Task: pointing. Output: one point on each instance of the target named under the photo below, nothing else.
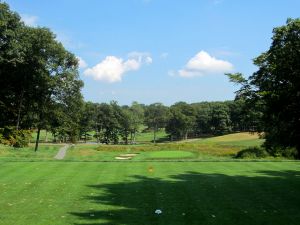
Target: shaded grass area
(45, 152)
(128, 193)
(216, 148)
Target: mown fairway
(129, 192)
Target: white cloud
(81, 63)
(144, 57)
(112, 68)
(204, 64)
(29, 20)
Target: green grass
(243, 139)
(143, 137)
(170, 155)
(128, 193)
(216, 148)
(45, 152)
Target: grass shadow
(268, 197)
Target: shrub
(16, 138)
(287, 152)
(252, 153)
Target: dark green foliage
(252, 153)
(220, 120)
(39, 81)
(274, 89)
(279, 151)
(181, 121)
(156, 116)
(16, 138)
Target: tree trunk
(131, 137)
(134, 135)
(46, 137)
(154, 134)
(85, 135)
(97, 135)
(37, 139)
(19, 110)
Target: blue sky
(160, 50)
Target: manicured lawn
(128, 193)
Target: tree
(11, 56)
(203, 118)
(87, 119)
(276, 87)
(220, 119)
(108, 122)
(156, 117)
(136, 119)
(126, 123)
(37, 75)
(181, 121)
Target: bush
(287, 152)
(16, 138)
(252, 153)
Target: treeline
(114, 124)
(275, 89)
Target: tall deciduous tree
(37, 74)
(182, 120)
(136, 119)
(276, 85)
(156, 117)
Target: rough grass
(45, 152)
(216, 148)
(170, 155)
(127, 193)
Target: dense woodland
(41, 89)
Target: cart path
(62, 152)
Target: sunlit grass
(126, 193)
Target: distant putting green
(128, 193)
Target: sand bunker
(122, 158)
(125, 156)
